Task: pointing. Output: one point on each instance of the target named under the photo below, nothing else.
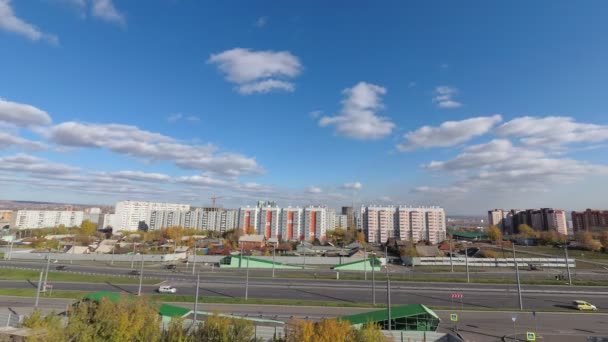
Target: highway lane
(400, 294)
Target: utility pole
(567, 264)
(38, 290)
(388, 290)
(521, 304)
(466, 260)
(141, 275)
(365, 263)
(46, 276)
(133, 256)
(112, 260)
(194, 261)
(247, 282)
(451, 262)
(274, 251)
(198, 282)
(374, 281)
(10, 250)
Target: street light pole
(567, 264)
(198, 282)
(46, 276)
(451, 262)
(194, 262)
(521, 304)
(247, 282)
(374, 280)
(388, 290)
(365, 259)
(274, 252)
(141, 275)
(466, 260)
(133, 256)
(38, 289)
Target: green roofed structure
(360, 265)
(469, 236)
(413, 317)
(238, 261)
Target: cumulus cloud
(439, 190)
(22, 115)
(553, 131)
(105, 10)
(449, 133)
(353, 186)
(175, 117)
(358, 118)
(444, 97)
(132, 141)
(258, 71)
(314, 190)
(141, 176)
(30, 164)
(11, 23)
(261, 22)
(8, 140)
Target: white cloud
(30, 164)
(141, 176)
(175, 117)
(202, 180)
(444, 97)
(257, 71)
(553, 131)
(266, 86)
(22, 115)
(132, 141)
(358, 118)
(193, 118)
(11, 23)
(353, 186)
(314, 190)
(8, 140)
(439, 190)
(261, 22)
(315, 114)
(105, 10)
(449, 133)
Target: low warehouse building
(414, 317)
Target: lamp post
(567, 264)
(141, 275)
(466, 260)
(388, 289)
(451, 262)
(198, 281)
(374, 280)
(521, 304)
(46, 274)
(194, 261)
(365, 261)
(38, 289)
(274, 251)
(247, 282)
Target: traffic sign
(514, 317)
(454, 317)
(530, 336)
(456, 295)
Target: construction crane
(214, 199)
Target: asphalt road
(473, 325)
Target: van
(583, 306)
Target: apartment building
(350, 216)
(314, 223)
(249, 218)
(544, 219)
(405, 223)
(36, 219)
(503, 219)
(589, 220)
(270, 222)
(128, 214)
(291, 224)
(341, 221)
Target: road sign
(514, 317)
(530, 336)
(454, 317)
(456, 295)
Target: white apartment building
(331, 219)
(291, 224)
(559, 221)
(503, 219)
(108, 220)
(405, 223)
(249, 218)
(315, 223)
(341, 221)
(270, 222)
(130, 213)
(35, 219)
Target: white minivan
(167, 289)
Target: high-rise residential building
(331, 218)
(107, 221)
(291, 224)
(35, 219)
(314, 223)
(350, 216)
(164, 219)
(406, 223)
(130, 213)
(589, 220)
(341, 221)
(544, 219)
(7, 219)
(270, 222)
(249, 218)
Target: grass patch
(49, 294)
(11, 274)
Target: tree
(336, 236)
(330, 330)
(588, 242)
(604, 239)
(88, 228)
(552, 238)
(51, 324)
(250, 230)
(494, 233)
(526, 231)
(408, 251)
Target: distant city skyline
(418, 103)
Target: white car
(167, 289)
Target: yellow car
(583, 306)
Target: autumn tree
(49, 324)
(494, 233)
(224, 329)
(175, 234)
(330, 330)
(604, 239)
(588, 242)
(526, 231)
(250, 230)
(552, 237)
(88, 228)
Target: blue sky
(469, 105)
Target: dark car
(61, 267)
(171, 267)
(134, 272)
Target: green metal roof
(471, 235)
(97, 296)
(244, 258)
(396, 312)
(172, 311)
